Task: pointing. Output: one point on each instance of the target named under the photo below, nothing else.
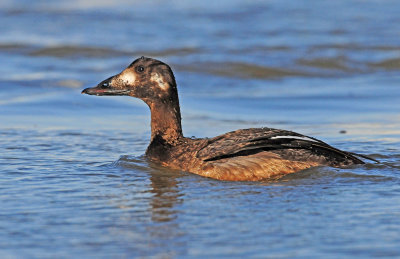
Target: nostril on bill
(105, 84)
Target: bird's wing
(251, 141)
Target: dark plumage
(242, 155)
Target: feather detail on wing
(287, 144)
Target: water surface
(73, 179)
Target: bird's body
(248, 154)
(241, 155)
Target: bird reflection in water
(164, 185)
(164, 213)
(155, 190)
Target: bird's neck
(165, 122)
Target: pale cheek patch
(156, 78)
(127, 78)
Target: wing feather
(252, 141)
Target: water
(74, 183)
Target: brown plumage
(242, 155)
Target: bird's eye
(105, 85)
(140, 69)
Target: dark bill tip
(96, 91)
(91, 91)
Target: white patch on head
(156, 78)
(127, 77)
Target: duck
(252, 154)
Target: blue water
(73, 180)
